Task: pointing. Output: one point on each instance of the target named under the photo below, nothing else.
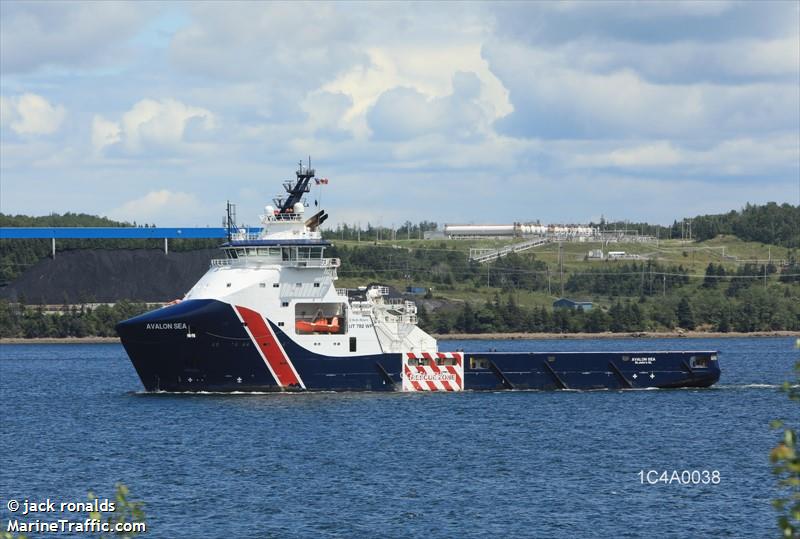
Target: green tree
(685, 314)
(785, 460)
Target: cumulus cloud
(31, 114)
(404, 113)
(152, 125)
(158, 206)
(428, 70)
(104, 132)
(326, 113)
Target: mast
(230, 220)
(295, 192)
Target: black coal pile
(106, 276)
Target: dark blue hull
(202, 345)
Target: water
(520, 464)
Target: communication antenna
(230, 220)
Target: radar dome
(299, 208)
(269, 210)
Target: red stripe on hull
(272, 353)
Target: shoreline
(610, 335)
(478, 336)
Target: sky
(560, 112)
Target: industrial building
(565, 303)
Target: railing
(341, 292)
(245, 237)
(298, 263)
(282, 217)
(313, 263)
(480, 255)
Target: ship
(267, 317)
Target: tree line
(755, 309)
(25, 321)
(768, 223)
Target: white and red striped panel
(443, 371)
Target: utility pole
(642, 282)
(561, 270)
(664, 282)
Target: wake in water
(752, 386)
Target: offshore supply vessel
(268, 317)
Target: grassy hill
(722, 282)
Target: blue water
(517, 464)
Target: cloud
(428, 106)
(425, 69)
(405, 113)
(31, 114)
(326, 112)
(300, 44)
(553, 99)
(747, 157)
(553, 23)
(158, 205)
(38, 34)
(104, 132)
(153, 126)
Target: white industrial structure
(520, 229)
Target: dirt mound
(99, 275)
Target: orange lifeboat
(320, 325)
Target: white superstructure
(282, 272)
